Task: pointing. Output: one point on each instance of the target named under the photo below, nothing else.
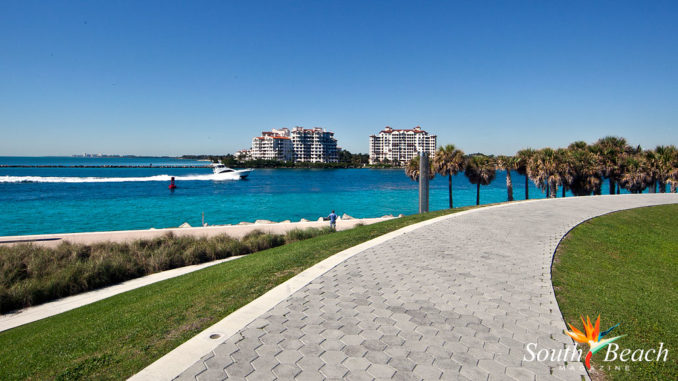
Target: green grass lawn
(118, 336)
(624, 266)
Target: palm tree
(508, 163)
(651, 169)
(673, 173)
(448, 161)
(595, 182)
(636, 173)
(412, 169)
(543, 171)
(569, 167)
(524, 157)
(582, 173)
(634, 176)
(665, 156)
(564, 168)
(480, 170)
(612, 150)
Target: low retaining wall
(235, 231)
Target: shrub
(31, 274)
(257, 241)
(302, 234)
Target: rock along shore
(235, 231)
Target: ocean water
(59, 200)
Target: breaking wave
(40, 179)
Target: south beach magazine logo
(593, 337)
(596, 341)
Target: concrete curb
(183, 356)
(175, 362)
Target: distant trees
(346, 159)
(580, 168)
(229, 160)
(354, 159)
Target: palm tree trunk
(450, 186)
(554, 189)
(653, 187)
(548, 189)
(673, 187)
(662, 187)
(527, 188)
(478, 194)
(563, 190)
(618, 189)
(611, 182)
(509, 185)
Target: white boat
(220, 169)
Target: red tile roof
(416, 130)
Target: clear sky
(171, 78)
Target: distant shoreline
(101, 166)
(244, 165)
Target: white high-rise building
(314, 145)
(400, 146)
(273, 145)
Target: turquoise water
(58, 200)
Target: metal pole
(423, 182)
(426, 180)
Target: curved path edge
(525, 290)
(180, 358)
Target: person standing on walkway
(333, 220)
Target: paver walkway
(458, 299)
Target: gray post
(423, 182)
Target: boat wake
(40, 179)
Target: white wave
(40, 179)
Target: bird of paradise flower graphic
(593, 337)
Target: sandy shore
(235, 231)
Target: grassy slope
(31, 275)
(624, 266)
(116, 337)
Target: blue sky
(169, 78)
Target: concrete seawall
(235, 231)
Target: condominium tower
(400, 146)
(314, 145)
(273, 145)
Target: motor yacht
(220, 169)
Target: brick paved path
(458, 299)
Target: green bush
(31, 274)
(257, 241)
(302, 234)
